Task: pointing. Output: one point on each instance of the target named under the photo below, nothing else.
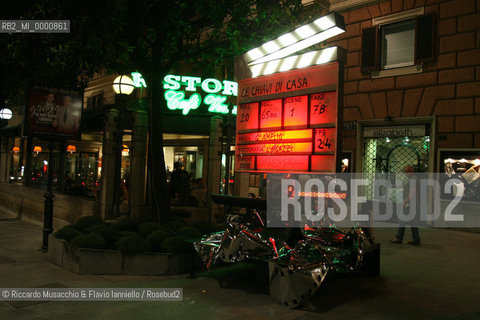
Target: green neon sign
(138, 81)
(217, 93)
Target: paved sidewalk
(438, 280)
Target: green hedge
(146, 228)
(130, 236)
(174, 225)
(85, 222)
(67, 233)
(156, 239)
(126, 225)
(132, 243)
(189, 232)
(91, 241)
(107, 231)
(176, 244)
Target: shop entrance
(392, 155)
(186, 165)
(389, 149)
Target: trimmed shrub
(156, 239)
(107, 231)
(175, 225)
(67, 233)
(146, 228)
(84, 222)
(126, 225)
(122, 234)
(189, 232)
(176, 244)
(207, 227)
(132, 243)
(91, 240)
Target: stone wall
(28, 204)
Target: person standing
(411, 198)
(179, 183)
(44, 113)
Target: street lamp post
(48, 208)
(122, 85)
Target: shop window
(95, 101)
(81, 174)
(40, 164)
(16, 171)
(463, 165)
(347, 162)
(387, 155)
(402, 41)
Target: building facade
(411, 97)
(412, 76)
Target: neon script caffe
(213, 93)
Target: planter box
(114, 262)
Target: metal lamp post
(48, 208)
(122, 85)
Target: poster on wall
(52, 112)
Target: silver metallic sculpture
(296, 271)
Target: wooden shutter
(425, 38)
(369, 49)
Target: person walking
(411, 196)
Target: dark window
(97, 100)
(398, 44)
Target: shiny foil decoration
(299, 260)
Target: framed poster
(54, 113)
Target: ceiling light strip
(295, 62)
(321, 29)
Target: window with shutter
(425, 38)
(369, 49)
(398, 43)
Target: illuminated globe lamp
(6, 114)
(123, 85)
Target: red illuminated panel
(270, 114)
(282, 163)
(324, 140)
(275, 148)
(244, 163)
(299, 79)
(296, 111)
(323, 163)
(323, 108)
(274, 136)
(247, 116)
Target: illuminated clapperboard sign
(290, 108)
